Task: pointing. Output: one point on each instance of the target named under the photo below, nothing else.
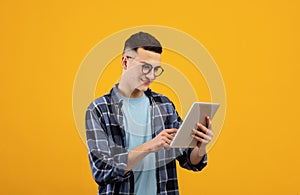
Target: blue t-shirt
(137, 124)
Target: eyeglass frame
(147, 64)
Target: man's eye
(147, 66)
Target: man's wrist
(201, 151)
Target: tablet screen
(197, 113)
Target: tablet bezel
(183, 138)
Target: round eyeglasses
(147, 68)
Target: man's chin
(143, 87)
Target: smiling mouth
(146, 82)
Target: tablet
(197, 113)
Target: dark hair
(143, 40)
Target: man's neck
(126, 92)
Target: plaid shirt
(107, 150)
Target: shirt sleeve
(108, 160)
(184, 160)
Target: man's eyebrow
(143, 62)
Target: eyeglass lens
(147, 68)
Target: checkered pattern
(108, 154)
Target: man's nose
(151, 75)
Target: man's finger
(209, 123)
(202, 128)
(170, 131)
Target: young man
(129, 129)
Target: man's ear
(124, 62)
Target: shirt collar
(117, 98)
(115, 95)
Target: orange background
(255, 44)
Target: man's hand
(162, 140)
(203, 135)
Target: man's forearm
(162, 140)
(197, 155)
(136, 155)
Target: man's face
(137, 68)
